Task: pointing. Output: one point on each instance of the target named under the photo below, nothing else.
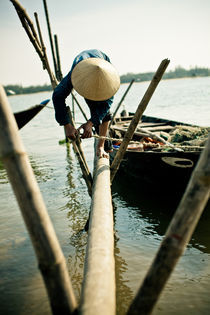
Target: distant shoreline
(178, 73)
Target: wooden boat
(23, 117)
(154, 163)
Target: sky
(136, 34)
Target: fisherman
(94, 77)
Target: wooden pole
(120, 103)
(177, 236)
(98, 288)
(50, 257)
(141, 108)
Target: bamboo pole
(50, 38)
(120, 103)
(81, 157)
(98, 288)
(33, 37)
(73, 107)
(83, 113)
(141, 108)
(177, 236)
(60, 76)
(50, 257)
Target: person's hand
(70, 132)
(87, 129)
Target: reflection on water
(158, 209)
(77, 216)
(141, 220)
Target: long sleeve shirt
(98, 109)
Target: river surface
(140, 218)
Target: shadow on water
(158, 207)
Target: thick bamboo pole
(141, 108)
(98, 288)
(50, 257)
(177, 236)
(120, 103)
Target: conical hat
(95, 79)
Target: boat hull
(23, 117)
(160, 170)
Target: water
(140, 218)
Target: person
(94, 77)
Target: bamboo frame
(49, 254)
(177, 236)
(141, 108)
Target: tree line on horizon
(179, 72)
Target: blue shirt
(98, 109)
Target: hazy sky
(136, 34)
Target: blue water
(140, 220)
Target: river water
(140, 218)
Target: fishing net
(189, 136)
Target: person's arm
(60, 94)
(61, 115)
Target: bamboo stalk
(50, 257)
(98, 288)
(177, 236)
(141, 108)
(120, 103)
